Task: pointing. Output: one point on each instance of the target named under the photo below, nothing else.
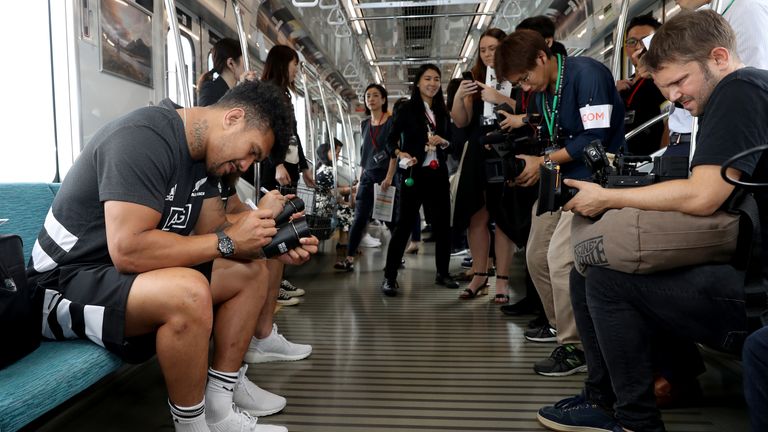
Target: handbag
(21, 306)
(630, 240)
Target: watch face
(226, 247)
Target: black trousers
(430, 188)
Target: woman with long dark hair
(228, 64)
(477, 201)
(418, 139)
(378, 166)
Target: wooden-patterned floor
(423, 361)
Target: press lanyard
(632, 96)
(727, 7)
(550, 114)
(373, 132)
(431, 124)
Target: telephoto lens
(294, 205)
(287, 237)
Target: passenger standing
(378, 167)
(417, 139)
(642, 98)
(477, 201)
(228, 64)
(578, 99)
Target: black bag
(21, 306)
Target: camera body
(503, 166)
(623, 172)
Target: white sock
(218, 395)
(189, 419)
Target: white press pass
(596, 116)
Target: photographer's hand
(273, 202)
(301, 254)
(530, 174)
(511, 121)
(591, 200)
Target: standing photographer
(579, 102)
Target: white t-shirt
(749, 19)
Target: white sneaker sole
(267, 358)
(290, 302)
(566, 428)
(264, 413)
(580, 369)
(297, 293)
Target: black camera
(288, 237)
(624, 172)
(502, 165)
(293, 205)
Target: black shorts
(88, 301)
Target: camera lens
(288, 237)
(294, 205)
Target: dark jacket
(409, 131)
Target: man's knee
(190, 299)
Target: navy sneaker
(576, 414)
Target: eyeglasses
(631, 42)
(522, 80)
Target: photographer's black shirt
(590, 109)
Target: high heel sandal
(468, 293)
(502, 298)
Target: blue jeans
(755, 357)
(618, 316)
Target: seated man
(137, 251)
(692, 59)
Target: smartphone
(467, 76)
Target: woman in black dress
(228, 64)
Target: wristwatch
(226, 246)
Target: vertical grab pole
(309, 122)
(330, 135)
(181, 72)
(618, 40)
(247, 66)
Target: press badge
(596, 116)
(629, 117)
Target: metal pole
(647, 124)
(618, 40)
(309, 123)
(247, 67)
(330, 134)
(181, 72)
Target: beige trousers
(549, 257)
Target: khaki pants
(549, 257)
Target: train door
(191, 48)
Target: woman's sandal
(468, 293)
(502, 298)
(345, 265)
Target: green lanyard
(550, 114)
(727, 7)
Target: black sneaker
(389, 287)
(523, 307)
(446, 281)
(545, 333)
(577, 414)
(565, 360)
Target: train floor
(423, 361)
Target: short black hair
(322, 151)
(382, 92)
(265, 108)
(541, 24)
(644, 20)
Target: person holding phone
(477, 93)
(642, 99)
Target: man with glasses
(579, 103)
(642, 98)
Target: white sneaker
(250, 398)
(275, 348)
(369, 241)
(291, 290)
(286, 300)
(238, 421)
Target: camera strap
(637, 87)
(550, 113)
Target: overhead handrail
(336, 17)
(309, 3)
(342, 31)
(181, 70)
(505, 13)
(328, 4)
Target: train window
(187, 50)
(339, 131)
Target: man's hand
(252, 232)
(591, 200)
(624, 84)
(511, 121)
(301, 254)
(273, 202)
(282, 176)
(531, 173)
